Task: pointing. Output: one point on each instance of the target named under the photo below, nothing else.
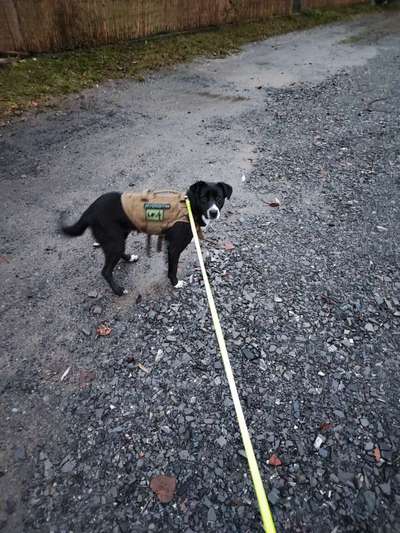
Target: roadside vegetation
(39, 81)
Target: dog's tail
(77, 229)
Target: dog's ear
(196, 187)
(226, 189)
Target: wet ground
(308, 297)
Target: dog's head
(207, 200)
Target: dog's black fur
(110, 227)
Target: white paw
(133, 258)
(180, 284)
(125, 291)
(96, 245)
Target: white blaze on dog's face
(208, 199)
(213, 213)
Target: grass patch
(34, 81)
(354, 39)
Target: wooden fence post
(10, 32)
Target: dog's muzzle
(213, 213)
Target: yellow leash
(266, 516)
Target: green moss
(353, 39)
(33, 81)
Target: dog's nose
(213, 213)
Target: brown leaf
(4, 259)
(164, 487)
(183, 505)
(325, 426)
(274, 203)
(103, 330)
(228, 245)
(377, 455)
(274, 460)
(85, 377)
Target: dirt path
(208, 120)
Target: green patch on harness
(155, 212)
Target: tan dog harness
(155, 212)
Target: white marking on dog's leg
(96, 245)
(180, 284)
(133, 258)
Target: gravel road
(308, 294)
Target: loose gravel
(309, 303)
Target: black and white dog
(111, 226)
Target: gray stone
(10, 505)
(370, 500)
(386, 488)
(221, 441)
(249, 354)
(48, 469)
(20, 453)
(323, 452)
(68, 467)
(184, 455)
(211, 515)
(320, 439)
(274, 496)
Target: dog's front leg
(173, 260)
(178, 238)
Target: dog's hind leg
(112, 241)
(113, 253)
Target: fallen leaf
(85, 377)
(164, 487)
(325, 426)
(103, 330)
(143, 368)
(274, 203)
(141, 455)
(183, 505)
(34, 104)
(228, 245)
(274, 460)
(377, 455)
(4, 259)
